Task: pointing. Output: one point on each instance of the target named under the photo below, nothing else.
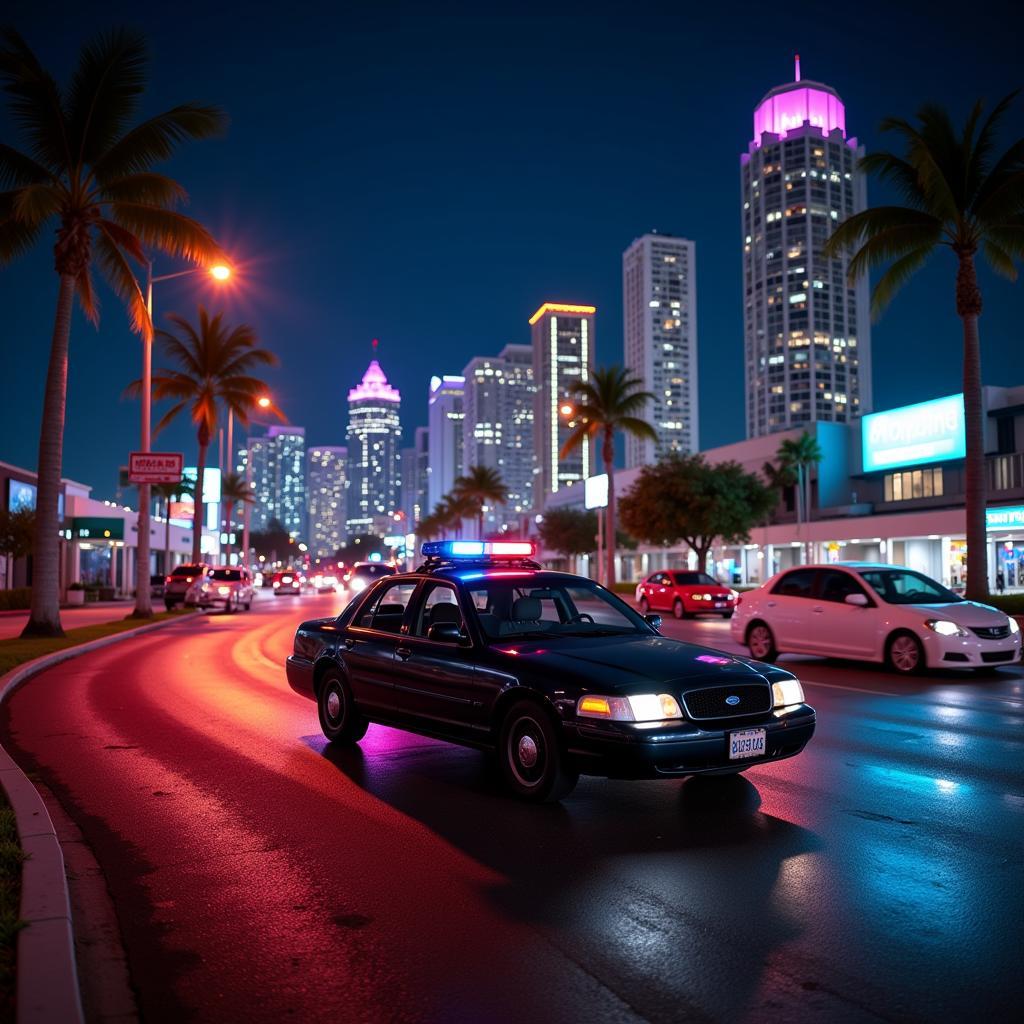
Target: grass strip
(11, 859)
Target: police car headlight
(1014, 627)
(787, 692)
(642, 707)
(945, 628)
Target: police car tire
(340, 722)
(530, 756)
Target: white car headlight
(945, 628)
(358, 584)
(1014, 627)
(787, 692)
(223, 591)
(642, 707)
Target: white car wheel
(905, 654)
(761, 643)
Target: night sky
(429, 179)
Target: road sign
(155, 467)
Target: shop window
(915, 483)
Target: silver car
(227, 587)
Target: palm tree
(85, 167)
(234, 491)
(167, 493)
(797, 457)
(959, 195)
(480, 486)
(213, 370)
(610, 401)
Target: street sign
(595, 491)
(97, 528)
(155, 467)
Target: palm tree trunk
(969, 307)
(44, 619)
(608, 457)
(197, 522)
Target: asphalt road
(259, 876)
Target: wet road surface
(259, 876)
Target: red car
(685, 594)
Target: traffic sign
(155, 467)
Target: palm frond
(35, 204)
(16, 237)
(999, 259)
(146, 187)
(18, 168)
(892, 244)
(86, 292)
(168, 417)
(123, 240)
(104, 91)
(977, 152)
(168, 231)
(898, 172)
(118, 274)
(896, 276)
(638, 428)
(1008, 234)
(1002, 192)
(156, 140)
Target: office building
(374, 437)
(498, 428)
(326, 472)
(659, 312)
(563, 354)
(278, 477)
(444, 425)
(415, 472)
(806, 328)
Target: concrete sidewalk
(11, 625)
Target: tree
(569, 531)
(168, 493)
(213, 370)
(797, 457)
(17, 530)
(87, 168)
(683, 498)
(958, 194)
(610, 401)
(273, 543)
(357, 549)
(234, 491)
(478, 487)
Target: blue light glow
(914, 434)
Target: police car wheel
(530, 755)
(339, 720)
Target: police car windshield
(536, 606)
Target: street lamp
(143, 601)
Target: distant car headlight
(733, 594)
(223, 591)
(945, 628)
(787, 692)
(643, 707)
(1014, 627)
(358, 584)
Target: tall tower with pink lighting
(807, 330)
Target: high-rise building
(278, 478)
(326, 471)
(659, 312)
(498, 429)
(806, 328)
(374, 436)
(563, 353)
(415, 472)
(444, 425)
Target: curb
(47, 977)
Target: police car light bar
(479, 549)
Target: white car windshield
(904, 586)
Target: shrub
(15, 599)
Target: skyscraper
(498, 428)
(374, 436)
(279, 478)
(563, 353)
(415, 473)
(659, 312)
(806, 329)
(444, 425)
(326, 469)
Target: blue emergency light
(468, 549)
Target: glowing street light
(567, 410)
(220, 271)
(264, 402)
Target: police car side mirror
(445, 633)
(653, 620)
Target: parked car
(363, 574)
(685, 594)
(221, 586)
(324, 583)
(180, 579)
(552, 672)
(873, 612)
(287, 583)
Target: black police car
(555, 674)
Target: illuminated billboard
(914, 434)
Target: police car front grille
(712, 702)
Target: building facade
(498, 428)
(278, 478)
(326, 474)
(374, 437)
(444, 425)
(659, 313)
(563, 354)
(807, 333)
(415, 473)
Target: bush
(15, 599)
(1012, 604)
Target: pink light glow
(784, 111)
(713, 659)
(374, 385)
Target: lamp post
(143, 601)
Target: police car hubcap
(527, 751)
(333, 705)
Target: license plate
(748, 743)
(719, 604)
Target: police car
(556, 675)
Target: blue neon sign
(914, 434)
(1007, 518)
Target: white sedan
(873, 612)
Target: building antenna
(374, 345)
(796, 62)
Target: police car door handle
(349, 643)
(404, 653)
(818, 610)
